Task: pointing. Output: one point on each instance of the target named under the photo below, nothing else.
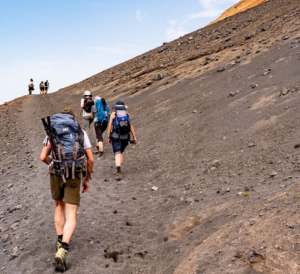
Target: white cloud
(174, 31)
(209, 13)
(210, 9)
(138, 15)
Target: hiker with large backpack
(86, 104)
(100, 113)
(119, 129)
(70, 166)
(31, 87)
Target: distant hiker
(31, 87)
(70, 166)
(119, 129)
(42, 87)
(47, 86)
(86, 104)
(100, 113)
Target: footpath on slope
(116, 229)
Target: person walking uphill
(47, 86)
(70, 167)
(42, 88)
(119, 129)
(31, 86)
(100, 113)
(86, 104)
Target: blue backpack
(122, 124)
(68, 143)
(103, 115)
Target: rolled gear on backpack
(68, 138)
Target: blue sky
(67, 41)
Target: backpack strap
(75, 148)
(61, 152)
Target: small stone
(215, 163)
(14, 226)
(273, 174)
(286, 37)
(284, 91)
(12, 256)
(160, 77)
(4, 238)
(154, 188)
(251, 145)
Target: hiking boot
(60, 259)
(119, 176)
(101, 154)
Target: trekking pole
(47, 127)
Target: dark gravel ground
(219, 140)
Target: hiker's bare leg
(100, 146)
(119, 159)
(59, 218)
(70, 225)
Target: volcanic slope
(239, 7)
(218, 136)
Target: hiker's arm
(44, 154)
(90, 164)
(112, 116)
(92, 115)
(133, 134)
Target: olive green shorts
(69, 191)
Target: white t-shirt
(86, 141)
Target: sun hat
(67, 111)
(87, 93)
(120, 105)
(97, 98)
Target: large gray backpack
(68, 143)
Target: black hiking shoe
(101, 154)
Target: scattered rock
(215, 163)
(284, 91)
(160, 77)
(4, 238)
(221, 69)
(273, 174)
(154, 188)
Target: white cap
(97, 98)
(87, 93)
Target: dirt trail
(219, 137)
